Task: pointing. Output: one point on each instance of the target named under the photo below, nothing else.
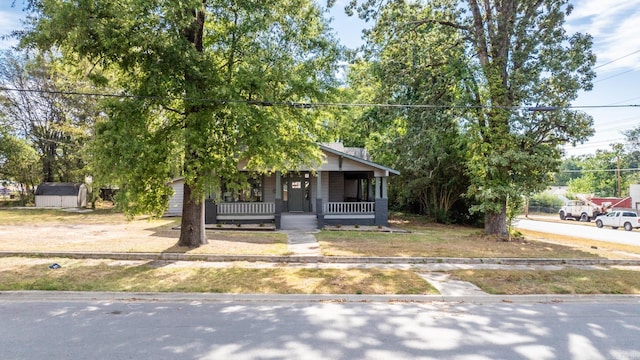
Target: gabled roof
(357, 159)
(349, 153)
(59, 189)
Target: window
(251, 191)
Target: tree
(633, 153)
(598, 175)
(523, 59)
(568, 170)
(425, 144)
(607, 173)
(19, 162)
(34, 108)
(205, 84)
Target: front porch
(333, 213)
(345, 189)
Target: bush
(545, 203)
(545, 200)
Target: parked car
(615, 219)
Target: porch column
(210, 211)
(384, 187)
(382, 203)
(278, 200)
(210, 206)
(319, 210)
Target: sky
(613, 24)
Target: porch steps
(301, 222)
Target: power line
(598, 170)
(614, 60)
(613, 76)
(624, 101)
(307, 105)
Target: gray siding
(336, 183)
(57, 201)
(325, 186)
(175, 201)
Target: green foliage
(203, 76)
(19, 162)
(57, 126)
(568, 171)
(425, 144)
(522, 57)
(513, 151)
(545, 199)
(599, 175)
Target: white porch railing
(348, 208)
(242, 208)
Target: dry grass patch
(29, 216)
(566, 281)
(104, 275)
(103, 231)
(439, 241)
(601, 248)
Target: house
(61, 195)
(347, 188)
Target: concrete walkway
(302, 242)
(447, 287)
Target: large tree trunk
(496, 223)
(48, 160)
(192, 231)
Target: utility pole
(618, 149)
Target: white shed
(61, 195)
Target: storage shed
(61, 195)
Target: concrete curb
(44, 296)
(317, 259)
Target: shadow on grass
(159, 277)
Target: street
(317, 330)
(571, 228)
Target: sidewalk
(305, 253)
(72, 296)
(432, 270)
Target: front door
(296, 194)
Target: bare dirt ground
(116, 234)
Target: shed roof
(60, 189)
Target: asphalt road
(317, 330)
(570, 228)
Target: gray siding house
(346, 188)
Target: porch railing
(246, 208)
(349, 208)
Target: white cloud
(10, 22)
(614, 27)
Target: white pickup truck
(615, 219)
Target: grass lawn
(566, 281)
(439, 241)
(603, 248)
(107, 275)
(28, 216)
